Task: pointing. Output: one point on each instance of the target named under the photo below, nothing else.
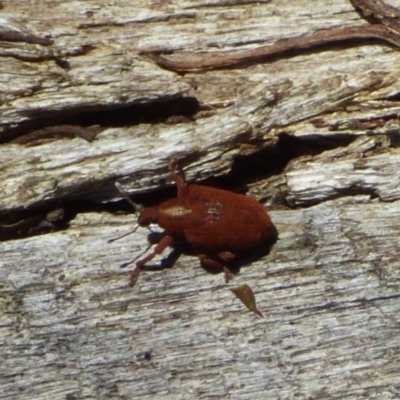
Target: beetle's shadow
(180, 246)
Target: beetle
(220, 225)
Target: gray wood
(71, 328)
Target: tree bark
(313, 133)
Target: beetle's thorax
(172, 215)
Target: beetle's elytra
(219, 224)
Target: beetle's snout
(148, 216)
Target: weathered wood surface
(70, 327)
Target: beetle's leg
(161, 246)
(180, 182)
(216, 264)
(227, 275)
(226, 255)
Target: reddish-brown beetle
(219, 224)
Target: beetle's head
(148, 216)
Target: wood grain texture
(71, 328)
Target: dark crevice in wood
(25, 223)
(272, 160)
(56, 132)
(152, 113)
(225, 3)
(394, 137)
(52, 217)
(168, 111)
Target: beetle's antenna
(136, 206)
(125, 234)
(125, 264)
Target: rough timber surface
(71, 328)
